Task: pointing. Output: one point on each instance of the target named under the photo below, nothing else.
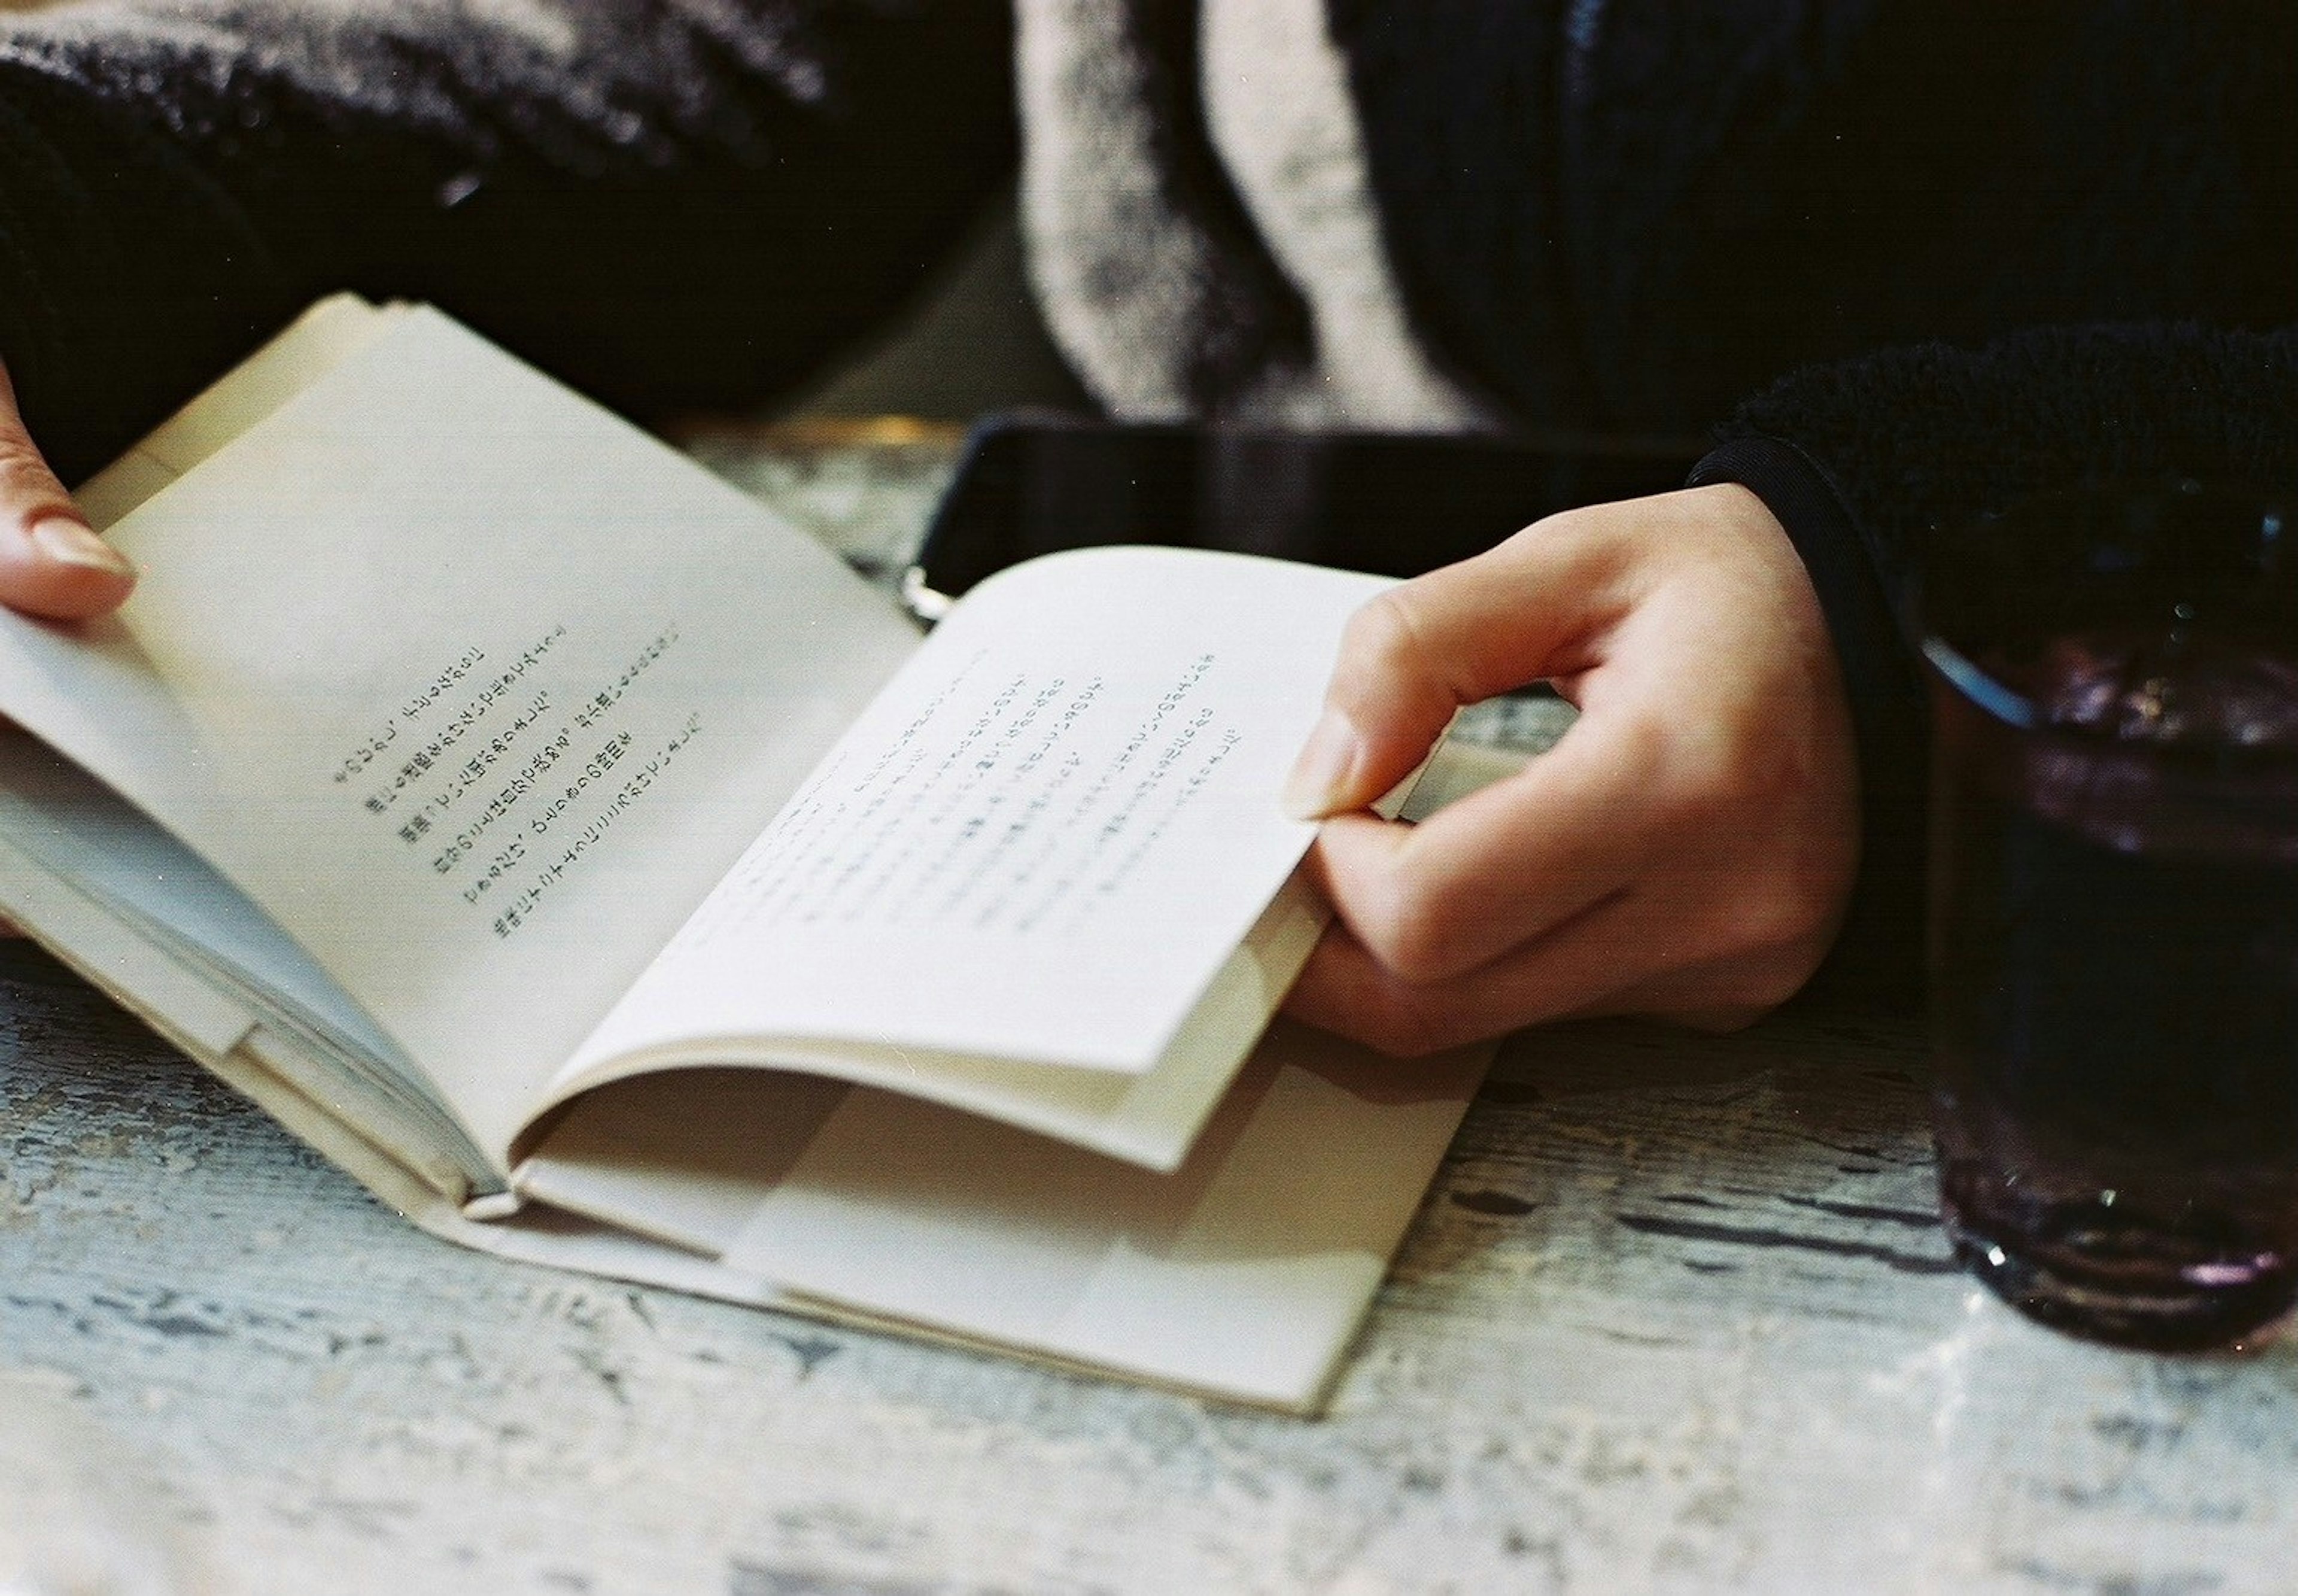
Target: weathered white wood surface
(1677, 1317)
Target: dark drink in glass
(2114, 919)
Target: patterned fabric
(1206, 241)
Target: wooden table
(1677, 1316)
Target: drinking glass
(2114, 929)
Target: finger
(1345, 989)
(1625, 955)
(51, 563)
(1413, 656)
(1508, 863)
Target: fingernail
(1318, 785)
(69, 544)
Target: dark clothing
(1858, 459)
(1639, 217)
(1956, 253)
(665, 204)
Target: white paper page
(1148, 1119)
(321, 339)
(87, 835)
(1246, 1272)
(684, 1158)
(1042, 841)
(471, 687)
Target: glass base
(2083, 1268)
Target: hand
(1686, 849)
(50, 564)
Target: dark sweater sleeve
(668, 202)
(1861, 459)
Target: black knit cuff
(1878, 955)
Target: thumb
(1418, 652)
(50, 562)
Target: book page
(472, 687)
(322, 338)
(1042, 841)
(1245, 1272)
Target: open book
(591, 865)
